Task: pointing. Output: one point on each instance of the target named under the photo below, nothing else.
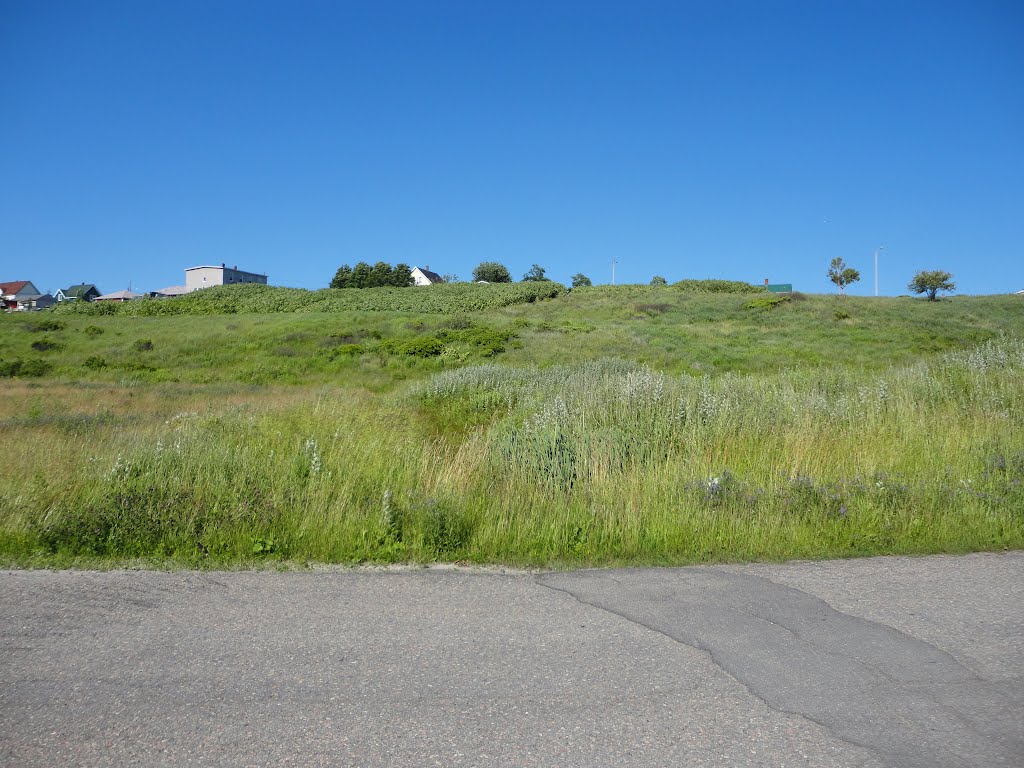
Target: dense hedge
(445, 299)
(717, 286)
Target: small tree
(450, 277)
(491, 272)
(658, 280)
(535, 275)
(579, 280)
(842, 275)
(931, 282)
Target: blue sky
(742, 140)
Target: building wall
(204, 277)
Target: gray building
(204, 277)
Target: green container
(781, 288)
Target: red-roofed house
(13, 292)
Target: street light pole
(614, 262)
(876, 268)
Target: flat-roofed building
(204, 277)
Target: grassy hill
(535, 426)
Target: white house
(425, 277)
(204, 277)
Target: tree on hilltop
(579, 280)
(536, 275)
(658, 280)
(491, 272)
(931, 282)
(379, 275)
(401, 276)
(342, 277)
(842, 275)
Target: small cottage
(423, 276)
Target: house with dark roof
(423, 276)
(83, 291)
(17, 290)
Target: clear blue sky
(739, 140)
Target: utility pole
(614, 262)
(876, 268)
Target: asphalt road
(881, 662)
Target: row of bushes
(260, 299)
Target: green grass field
(526, 426)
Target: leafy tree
(361, 275)
(491, 272)
(658, 280)
(842, 275)
(343, 277)
(931, 282)
(450, 277)
(579, 280)
(401, 276)
(380, 275)
(535, 275)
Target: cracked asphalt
(877, 662)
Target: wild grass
(634, 424)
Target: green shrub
(840, 314)
(24, 368)
(92, 330)
(47, 324)
(46, 344)
(426, 346)
(717, 286)
(142, 345)
(767, 302)
(95, 362)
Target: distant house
(425, 277)
(204, 277)
(169, 292)
(83, 292)
(119, 296)
(40, 301)
(778, 287)
(13, 292)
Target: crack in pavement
(867, 683)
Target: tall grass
(600, 462)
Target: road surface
(899, 662)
